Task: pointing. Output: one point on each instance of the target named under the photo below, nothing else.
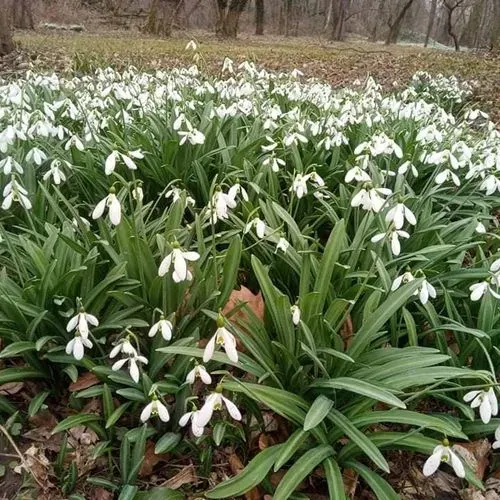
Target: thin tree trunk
(22, 14)
(339, 20)
(430, 24)
(259, 17)
(378, 17)
(395, 26)
(449, 26)
(6, 42)
(328, 15)
(228, 17)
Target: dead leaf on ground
(476, 454)
(150, 459)
(254, 302)
(42, 425)
(347, 331)
(101, 494)
(82, 435)
(10, 388)
(236, 467)
(186, 476)
(350, 478)
(84, 381)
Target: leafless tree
(259, 17)
(451, 6)
(395, 22)
(430, 24)
(228, 17)
(22, 14)
(162, 15)
(6, 43)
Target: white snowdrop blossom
(282, 245)
(220, 204)
(371, 199)
(76, 346)
(295, 311)
(112, 203)
(13, 191)
(299, 184)
(8, 165)
(175, 193)
(443, 453)
(447, 175)
(178, 259)
(74, 141)
(110, 162)
(274, 163)
(192, 135)
(408, 166)
(486, 401)
(479, 289)
(164, 326)
(398, 214)
(191, 45)
(222, 337)
(138, 193)
(237, 189)
(155, 408)
(394, 239)
(81, 322)
(55, 172)
(426, 291)
(480, 228)
(37, 156)
(259, 225)
(124, 346)
(133, 366)
(196, 429)
(496, 443)
(216, 401)
(404, 278)
(199, 371)
(356, 174)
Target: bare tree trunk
(162, 16)
(340, 14)
(328, 15)
(6, 43)
(430, 24)
(22, 14)
(495, 32)
(450, 8)
(259, 17)
(395, 26)
(378, 17)
(228, 17)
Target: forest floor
(338, 63)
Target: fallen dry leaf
(150, 459)
(186, 476)
(101, 494)
(476, 454)
(350, 478)
(236, 467)
(84, 381)
(82, 435)
(254, 302)
(10, 388)
(347, 332)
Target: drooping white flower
(299, 185)
(8, 165)
(192, 135)
(37, 156)
(282, 245)
(398, 214)
(224, 338)
(55, 172)
(123, 346)
(155, 408)
(74, 141)
(426, 291)
(133, 367)
(76, 346)
(295, 314)
(138, 193)
(496, 443)
(216, 401)
(446, 175)
(81, 322)
(220, 204)
(394, 238)
(403, 279)
(13, 191)
(199, 371)
(371, 199)
(490, 184)
(408, 166)
(357, 174)
(178, 259)
(191, 45)
(227, 65)
(236, 189)
(274, 163)
(164, 326)
(112, 203)
(480, 228)
(443, 453)
(487, 402)
(175, 193)
(196, 429)
(260, 227)
(110, 162)
(479, 289)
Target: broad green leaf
(318, 411)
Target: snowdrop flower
(260, 227)
(237, 189)
(74, 141)
(13, 191)
(191, 45)
(295, 314)
(357, 174)
(76, 346)
(446, 175)
(138, 193)
(8, 164)
(426, 291)
(216, 401)
(227, 65)
(398, 214)
(299, 185)
(402, 280)
(175, 193)
(37, 156)
(274, 163)
(154, 408)
(133, 367)
(55, 172)
(164, 326)
(315, 177)
(480, 228)
(487, 402)
(490, 184)
(81, 322)
(199, 371)
(496, 443)
(192, 136)
(178, 259)
(196, 429)
(402, 169)
(112, 203)
(294, 138)
(282, 245)
(110, 163)
(371, 199)
(223, 337)
(219, 205)
(125, 347)
(394, 237)
(271, 146)
(479, 289)
(443, 453)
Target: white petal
(92, 319)
(165, 265)
(134, 370)
(78, 350)
(432, 463)
(457, 465)
(166, 330)
(154, 329)
(209, 349)
(205, 414)
(115, 350)
(232, 408)
(230, 346)
(190, 377)
(146, 412)
(378, 237)
(110, 163)
(493, 401)
(191, 256)
(395, 245)
(162, 412)
(185, 418)
(72, 323)
(115, 211)
(424, 295)
(396, 283)
(99, 209)
(204, 375)
(485, 410)
(119, 364)
(471, 395)
(69, 348)
(180, 265)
